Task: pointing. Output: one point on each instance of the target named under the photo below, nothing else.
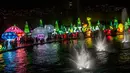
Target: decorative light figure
(16, 30)
(57, 26)
(40, 33)
(26, 28)
(89, 21)
(41, 23)
(115, 23)
(9, 36)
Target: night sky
(59, 3)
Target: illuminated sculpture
(57, 26)
(41, 23)
(84, 28)
(120, 28)
(89, 21)
(26, 28)
(79, 22)
(40, 33)
(115, 23)
(9, 36)
(17, 30)
(79, 25)
(49, 28)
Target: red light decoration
(16, 30)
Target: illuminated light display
(120, 28)
(41, 23)
(115, 23)
(9, 36)
(49, 28)
(110, 38)
(57, 26)
(84, 28)
(78, 22)
(17, 30)
(40, 33)
(88, 33)
(0, 46)
(26, 28)
(89, 21)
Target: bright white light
(101, 44)
(126, 37)
(83, 59)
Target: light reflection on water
(16, 61)
(45, 54)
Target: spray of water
(101, 44)
(124, 15)
(126, 37)
(124, 18)
(83, 59)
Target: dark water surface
(54, 58)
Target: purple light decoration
(40, 33)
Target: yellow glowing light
(88, 33)
(111, 27)
(88, 18)
(0, 46)
(120, 26)
(120, 37)
(84, 29)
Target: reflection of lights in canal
(124, 56)
(120, 37)
(89, 42)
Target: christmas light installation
(115, 23)
(41, 23)
(79, 25)
(9, 36)
(40, 33)
(120, 28)
(57, 26)
(26, 28)
(16, 30)
(89, 21)
(49, 28)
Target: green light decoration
(79, 22)
(62, 29)
(75, 28)
(14, 24)
(111, 23)
(115, 23)
(128, 21)
(126, 26)
(98, 23)
(89, 21)
(41, 23)
(57, 27)
(26, 28)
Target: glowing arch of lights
(16, 30)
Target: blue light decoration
(9, 36)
